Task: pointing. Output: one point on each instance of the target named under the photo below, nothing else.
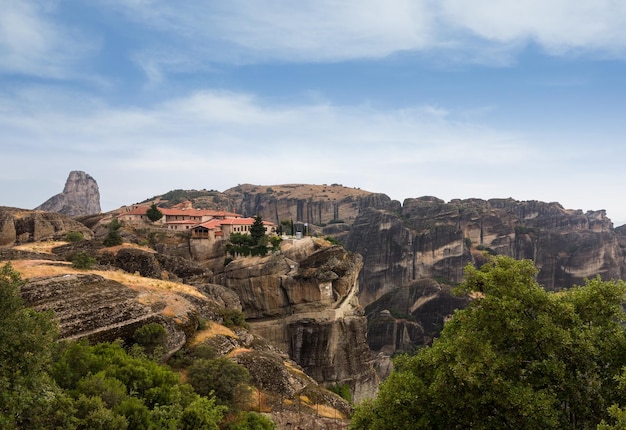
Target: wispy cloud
(33, 43)
(483, 31)
(217, 139)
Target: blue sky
(451, 98)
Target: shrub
(150, 337)
(251, 421)
(225, 379)
(113, 238)
(82, 261)
(74, 236)
(233, 318)
(342, 390)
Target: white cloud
(32, 43)
(218, 139)
(485, 31)
(557, 25)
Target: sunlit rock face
(304, 301)
(80, 196)
(22, 226)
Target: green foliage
(332, 240)
(151, 337)
(113, 238)
(251, 421)
(202, 414)
(232, 317)
(225, 379)
(257, 230)
(342, 390)
(74, 236)
(178, 196)
(275, 242)
(153, 213)
(517, 357)
(112, 389)
(82, 260)
(27, 394)
(246, 245)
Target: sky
(449, 98)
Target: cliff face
(312, 204)
(80, 196)
(433, 239)
(304, 301)
(21, 226)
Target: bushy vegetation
(81, 260)
(342, 390)
(47, 384)
(233, 318)
(74, 236)
(517, 357)
(114, 238)
(178, 196)
(154, 213)
(221, 377)
(253, 244)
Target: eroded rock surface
(80, 197)
(23, 226)
(306, 305)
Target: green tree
(151, 337)
(27, 393)
(81, 260)
(257, 231)
(517, 357)
(202, 414)
(114, 237)
(225, 379)
(251, 421)
(74, 236)
(154, 213)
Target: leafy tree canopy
(154, 213)
(517, 357)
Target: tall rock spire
(80, 196)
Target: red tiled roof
(215, 223)
(142, 210)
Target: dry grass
(304, 191)
(40, 247)
(212, 330)
(43, 268)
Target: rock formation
(22, 226)
(80, 196)
(304, 301)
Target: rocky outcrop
(434, 239)
(80, 197)
(313, 204)
(304, 301)
(409, 316)
(22, 226)
(101, 309)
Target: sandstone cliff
(313, 204)
(105, 305)
(304, 301)
(429, 240)
(22, 226)
(80, 196)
